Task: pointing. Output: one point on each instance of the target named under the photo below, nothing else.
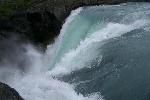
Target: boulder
(8, 93)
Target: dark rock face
(44, 27)
(8, 93)
(38, 27)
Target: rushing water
(102, 53)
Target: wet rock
(8, 93)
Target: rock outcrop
(8, 93)
(38, 27)
(62, 8)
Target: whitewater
(79, 65)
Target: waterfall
(102, 53)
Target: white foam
(40, 87)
